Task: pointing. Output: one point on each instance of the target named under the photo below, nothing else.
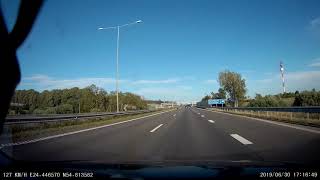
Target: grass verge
(288, 117)
(22, 133)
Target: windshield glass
(178, 81)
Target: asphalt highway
(182, 135)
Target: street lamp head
(100, 28)
(139, 21)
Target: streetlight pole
(117, 70)
(117, 83)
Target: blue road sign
(216, 101)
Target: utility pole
(282, 76)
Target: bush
(64, 109)
(95, 110)
(39, 111)
(269, 101)
(50, 110)
(307, 98)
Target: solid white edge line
(212, 121)
(271, 122)
(153, 130)
(241, 139)
(75, 132)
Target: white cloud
(189, 78)
(312, 77)
(44, 82)
(211, 81)
(248, 71)
(37, 77)
(157, 91)
(165, 81)
(267, 80)
(315, 22)
(185, 87)
(178, 93)
(300, 80)
(268, 73)
(316, 63)
(314, 26)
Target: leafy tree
(307, 98)
(51, 110)
(64, 109)
(206, 98)
(233, 84)
(39, 111)
(220, 95)
(288, 94)
(95, 110)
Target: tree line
(304, 98)
(62, 101)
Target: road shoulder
(295, 126)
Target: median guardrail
(25, 119)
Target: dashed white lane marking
(241, 139)
(202, 115)
(269, 121)
(212, 121)
(198, 113)
(153, 130)
(75, 132)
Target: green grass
(22, 132)
(313, 119)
